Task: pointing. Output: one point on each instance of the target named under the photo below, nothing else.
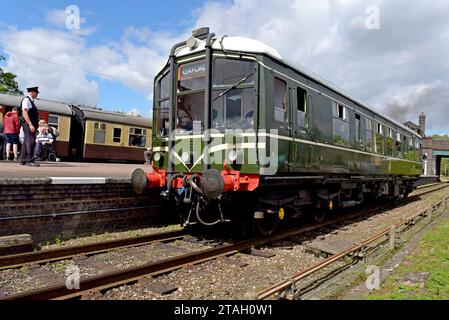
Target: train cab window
(162, 115)
(117, 135)
(398, 145)
(280, 100)
(229, 72)
(164, 87)
(192, 76)
(340, 124)
(190, 115)
(234, 110)
(53, 121)
(302, 107)
(137, 137)
(99, 132)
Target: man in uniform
(31, 116)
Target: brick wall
(47, 211)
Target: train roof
(89, 112)
(41, 104)
(247, 45)
(101, 115)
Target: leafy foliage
(8, 83)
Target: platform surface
(13, 170)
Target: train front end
(206, 151)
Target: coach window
(398, 145)
(405, 143)
(357, 130)
(411, 149)
(117, 135)
(417, 151)
(390, 142)
(99, 132)
(340, 124)
(302, 107)
(280, 100)
(379, 137)
(369, 135)
(137, 137)
(53, 121)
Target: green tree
(441, 137)
(8, 83)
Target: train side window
(369, 135)
(417, 151)
(340, 124)
(302, 107)
(405, 144)
(357, 128)
(379, 139)
(117, 135)
(99, 132)
(411, 154)
(398, 145)
(280, 100)
(53, 121)
(390, 142)
(137, 138)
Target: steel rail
(283, 285)
(130, 275)
(50, 255)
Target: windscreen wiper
(233, 87)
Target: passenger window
(280, 100)
(369, 135)
(117, 135)
(379, 139)
(357, 128)
(340, 124)
(99, 132)
(398, 145)
(389, 143)
(302, 107)
(137, 137)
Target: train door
(76, 145)
(281, 122)
(300, 149)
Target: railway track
(132, 275)
(364, 248)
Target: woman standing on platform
(12, 130)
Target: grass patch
(432, 256)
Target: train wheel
(319, 215)
(266, 226)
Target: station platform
(11, 172)
(70, 199)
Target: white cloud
(389, 68)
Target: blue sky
(110, 20)
(399, 67)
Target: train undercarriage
(203, 199)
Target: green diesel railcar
(240, 134)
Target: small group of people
(33, 134)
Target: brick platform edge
(48, 211)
